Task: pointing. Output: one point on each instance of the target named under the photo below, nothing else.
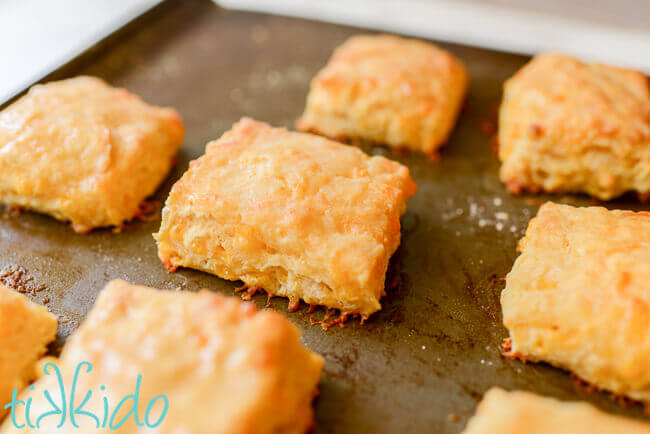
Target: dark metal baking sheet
(422, 363)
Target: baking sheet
(422, 363)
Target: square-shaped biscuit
(578, 296)
(295, 214)
(223, 366)
(568, 126)
(387, 89)
(25, 330)
(518, 412)
(85, 152)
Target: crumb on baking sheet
(506, 351)
(329, 320)
(624, 401)
(483, 214)
(18, 278)
(12, 211)
(148, 210)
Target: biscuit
(387, 89)
(518, 412)
(25, 330)
(223, 366)
(568, 126)
(85, 152)
(578, 296)
(295, 214)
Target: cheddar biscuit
(387, 89)
(295, 214)
(518, 412)
(25, 330)
(85, 152)
(568, 126)
(222, 366)
(578, 296)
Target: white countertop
(609, 31)
(40, 35)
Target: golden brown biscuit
(85, 152)
(296, 214)
(518, 412)
(223, 366)
(568, 126)
(25, 330)
(402, 92)
(578, 296)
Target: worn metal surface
(434, 348)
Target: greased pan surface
(422, 363)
